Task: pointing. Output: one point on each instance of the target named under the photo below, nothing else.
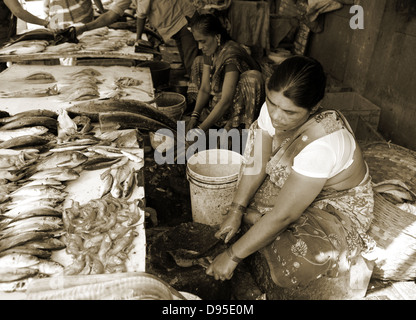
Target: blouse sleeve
(264, 121)
(316, 160)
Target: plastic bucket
(172, 104)
(160, 71)
(212, 176)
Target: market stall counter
(72, 191)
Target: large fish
(30, 113)
(94, 108)
(119, 120)
(48, 192)
(34, 34)
(30, 121)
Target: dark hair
(209, 25)
(301, 79)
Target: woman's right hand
(231, 225)
(191, 124)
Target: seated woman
(306, 195)
(227, 80)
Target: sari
(332, 231)
(250, 92)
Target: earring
(218, 41)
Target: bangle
(237, 206)
(195, 114)
(232, 256)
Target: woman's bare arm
(228, 90)
(17, 9)
(295, 196)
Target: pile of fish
(41, 152)
(83, 85)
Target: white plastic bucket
(212, 176)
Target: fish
(24, 141)
(24, 237)
(30, 113)
(30, 121)
(106, 185)
(34, 34)
(68, 159)
(60, 174)
(31, 131)
(9, 275)
(118, 120)
(15, 208)
(99, 162)
(47, 192)
(46, 244)
(39, 253)
(92, 109)
(45, 182)
(37, 224)
(40, 77)
(17, 260)
(44, 211)
(128, 184)
(48, 267)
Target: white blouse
(322, 158)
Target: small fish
(128, 184)
(35, 191)
(39, 253)
(44, 211)
(106, 185)
(48, 267)
(18, 260)
(68, 159)
(24, 237)
(16, 208)
(36, 224)
(46, 244)
(10, 134)
(9, 276)
(60, 174)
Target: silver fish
(18, 260)
(60, 174)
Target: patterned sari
(332, 231)
(249, 95)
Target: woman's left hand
(222, 268)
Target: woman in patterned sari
(226, 80)
(304, 193)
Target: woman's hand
(191, 124)
(222, 268)
(231, 225)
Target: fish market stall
(28, 87)
(99, 43)
(72, 186)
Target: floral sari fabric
(332, 231)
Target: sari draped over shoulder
(333, 229)
(249, 94)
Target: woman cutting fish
(227, 80)
(306, 198)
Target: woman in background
(226, 80)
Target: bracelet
(237, 206)
(233, 257)
(195, 114)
